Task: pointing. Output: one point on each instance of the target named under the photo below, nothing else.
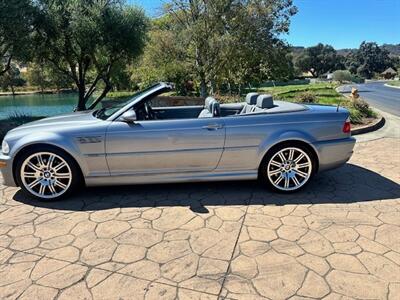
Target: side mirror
(129, 116)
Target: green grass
(324, 93)
(120, 94)
(394, 83)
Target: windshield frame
(141, 96)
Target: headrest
(251, 98)
(213, 106)
(209, 102)
(265, 101)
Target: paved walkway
(339, 239)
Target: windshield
(108, 111)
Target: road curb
(370, 127)
(392, 86)
(378, 124)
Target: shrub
(342, 75)
(13, 120)
(357, 79)
(307, 97)
(362, 107)
(355, 116)
(228, 98)
(19, 118)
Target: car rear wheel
(288, 168)
(47, 175)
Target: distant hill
(394, 49)
(297, 49)
(345, 51)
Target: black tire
(76, 180)
(263, 170)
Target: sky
(340, 23)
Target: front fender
(284, 136)
(53, 139)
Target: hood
(71, 118)
(76, 120)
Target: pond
(37, 104)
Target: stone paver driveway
(339, 239)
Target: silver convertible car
(284, 144)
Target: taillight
(347, 126)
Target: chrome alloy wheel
(289, 169)
(46, 175)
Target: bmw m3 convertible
(284, 144)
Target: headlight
(5, 148)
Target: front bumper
(6, 170)
(333, 154)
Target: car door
(164, 146)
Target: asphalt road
(378, 95)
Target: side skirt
(170, 178)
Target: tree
(11, 78)
(164, 58)
(37, 76)
(121, 77)
(44, 76)
(342, 75)
(228, 40)
(254, 50)
(88, 40)
(319, 59)
(16, 25)
(368, 60)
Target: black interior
(146, 112)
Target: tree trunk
(12, 90)
(314, 74)
(7, 66)
(203, 88)
(102, 95)
(81, 100)
(213, 87)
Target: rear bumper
(6, 170)
(333, 154)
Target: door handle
(213, 126)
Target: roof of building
(389, 71)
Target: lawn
(394, 83)
(322, 93)
(120, 94)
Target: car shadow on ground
(348, 184)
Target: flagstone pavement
(338, 239)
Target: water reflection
(37, 104)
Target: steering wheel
(149, 112)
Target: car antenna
(338, 105)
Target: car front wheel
(47, 175)
(288, 168)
